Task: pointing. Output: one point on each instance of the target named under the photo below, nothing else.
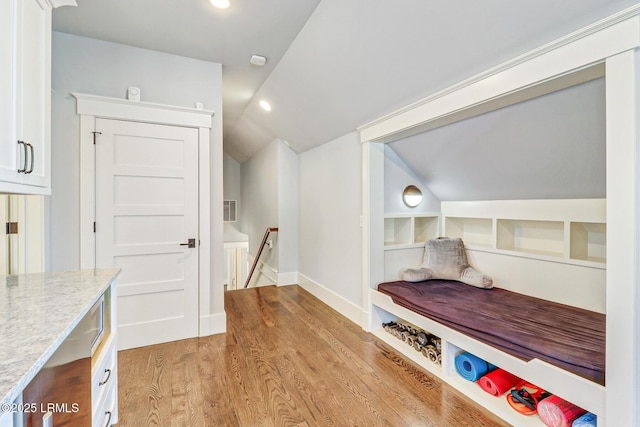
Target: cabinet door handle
(105, 380)
(24, 157)
(108, 423)
(32, 159)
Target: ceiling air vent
(230, 210)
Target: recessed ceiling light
(221, 4)
(265, 105)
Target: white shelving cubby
(398, 231)
(402, 231)
(474, 232)
(425, 228)
(571, 231)
(532, 237)
(588, 241)
(577, 390)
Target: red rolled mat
(498, 382)
(556, 412)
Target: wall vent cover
(230, 210)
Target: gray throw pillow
(445, 258)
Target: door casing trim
(91, 107)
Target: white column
(622, 381)
(372, 223)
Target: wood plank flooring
(287, 359)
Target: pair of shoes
(525, 397)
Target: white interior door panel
(146, 210)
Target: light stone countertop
(37, 313)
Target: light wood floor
(286, 360)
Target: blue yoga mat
(587, 420)
(471, 368)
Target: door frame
(92, 107)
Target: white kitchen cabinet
(104, 368)
(25, 96)
(77, 372)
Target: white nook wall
(549, 147)
(397, 176)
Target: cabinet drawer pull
(105, 380)
(24, 157)
(32, 159)
(108, 423)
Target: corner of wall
(286, 279)
(351, 311)
(288, 201)
(212, 324)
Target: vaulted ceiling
(333, 64)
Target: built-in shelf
(558, 238)
(533, 237)
(588, 241)
(582, 392)
(397, 231)
(410, 230)
(425, 228)
(472, 231)
(496, 404)
(508, 240)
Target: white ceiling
(334, 64)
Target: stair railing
(257, 258)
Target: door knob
(191, 243)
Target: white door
(146, 212)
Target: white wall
(397, 176)
(260, 200)
(232, 180)
(232, 191)
(287, 215)
(270, 199)
(330, 260)
(81, 64)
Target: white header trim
(564, 56)
(123, 109)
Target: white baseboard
(285, 279)
(340, 304)
(142, 334)
(213, 324)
